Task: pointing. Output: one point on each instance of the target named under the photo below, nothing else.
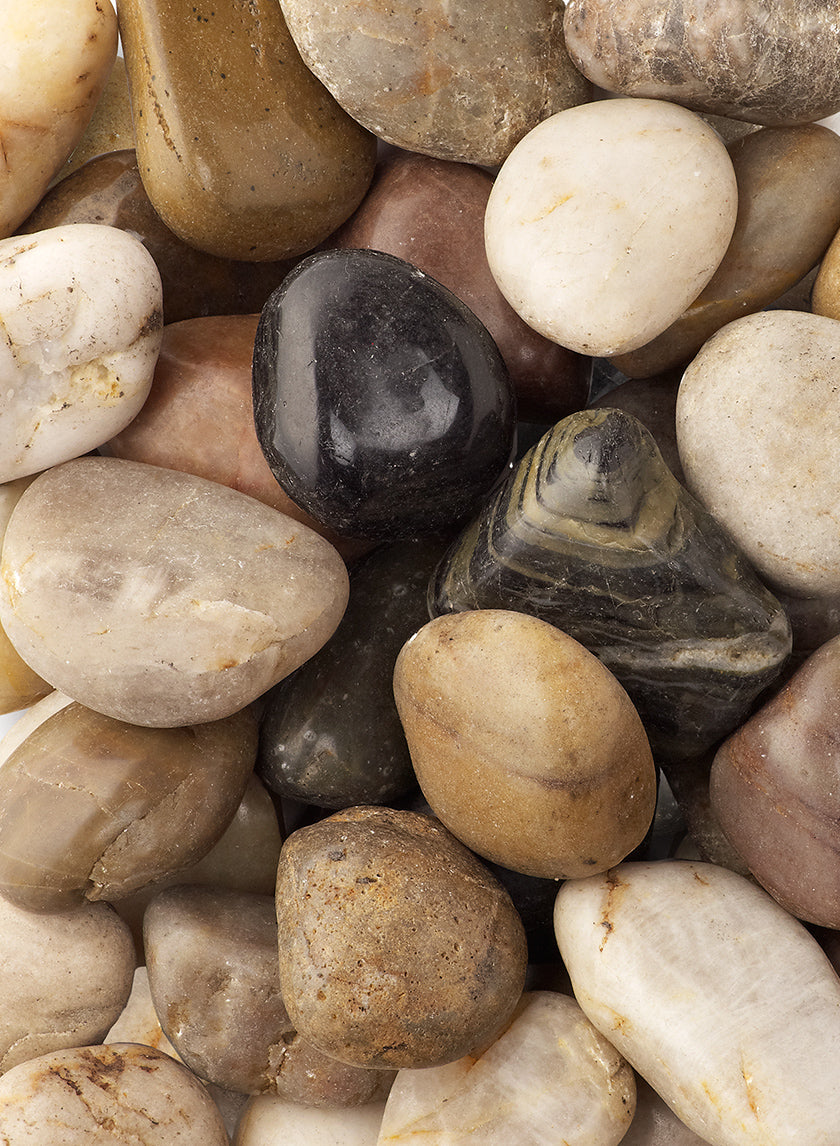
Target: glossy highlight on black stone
(382, 405)
(594, 534)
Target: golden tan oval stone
(525, 745)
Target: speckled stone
(243, 153)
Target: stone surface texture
(267, 1120)
(20, 687)
(243, 153)
(600, 264)
(110, 127)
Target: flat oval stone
(382, 404)
(453, 82)
(70, 47)
(582, 253)
(159, 598)
(81, 313)
(757, 418)
(431, 213)
(243, 153)
(773, 64)
(397, 947)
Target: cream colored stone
(608, 219)
(81, 322)
(54, 701)
(267, 1121)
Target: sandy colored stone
(267, 1120)
(110, 127)
(19, 685)
(138, 1021)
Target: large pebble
(607, 219)
(525, 746)
(81, 312)
(159, 598)
(715, 994)
(757, 425)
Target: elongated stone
(594, 534)
(159, 598)
(244, 154)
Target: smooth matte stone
(159, 598)
(714, 993)
(82, 323)
(595, 535)
(57, 56)
(381, 403)
(451, 81)
(757, 419)
(431, 213)
(117, 1095)
(267, 1120)
(138, 1021)
(775, 787)
(330, 734)
(110, 127)
(397, 947)
(595, 260)
(528, 750)
(199, 416)
(788, 213)
(64, 978)
(654, 402)
(773, 64)
(19, 685)
(243, 153)
(108, 189)
(550, 1077)
(126, 805)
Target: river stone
(116, 1095)
(714, 993)
(455, 82)
(575, 240)
(20, 687)
(772, 64)
(757, 419)
(550, 1077)
(398, 948)
(525, 746)
(126, 805)
(788, 213)
(64, 978)
(655, 1124)
(110, 127)
(82, 330)
(159, 598)
(57, 57)
(775, 787)
(267, 1120)
(243, 153)
(138, 1021)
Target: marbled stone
(110, 127)
(788, 213)
(715, 994)
(81, 313)
(199, 416)
(654, 402)
(397, 947)
(431, 213)
(528, 750)
(381, 402)
(757, 419)
(64, 978)
(56, 60)
(550, 1077)
(126, 805)
(773, 64)
(180, 601)
(120, 1094)
(594, 534)
(243, 153)
(267, 1120)
(601, 264)
(109, 190)
(451, 81)
(19, 685)
(775, 787)
(330, 734)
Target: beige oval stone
(607, 219)
(162, 599)
(525, 745)
(116, 1095)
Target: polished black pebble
(594, 534)
(382, 405)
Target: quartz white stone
(608, 219)
(81, 322)
(719, 998)
(267, 1121)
